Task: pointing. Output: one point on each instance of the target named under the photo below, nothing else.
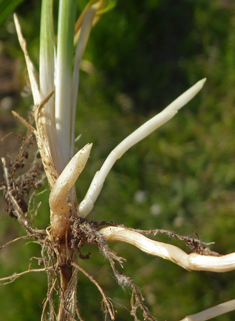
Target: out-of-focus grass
(6, 8)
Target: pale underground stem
(212, 312)
(170, 252)
(60, 205)
(59, 193)
(147, 128)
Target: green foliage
(7, 8)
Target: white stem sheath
(170, 252)
(147, 128)
(212, 312)
(66, 180)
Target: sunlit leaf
(104, 6)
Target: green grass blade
(6, 8)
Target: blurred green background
(140, 57)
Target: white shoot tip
(68, 177)
(202, 82)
